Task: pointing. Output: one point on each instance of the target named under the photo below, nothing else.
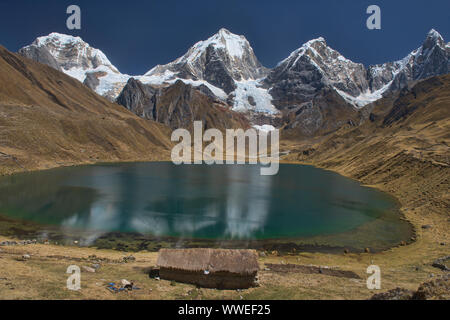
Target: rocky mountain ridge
(226, 68)
(179, 105)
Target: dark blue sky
(136, 34)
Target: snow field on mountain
(248, 90)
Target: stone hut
(210, 268)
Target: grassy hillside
(49, 119)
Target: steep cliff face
(138, 98)
(179, 105)
(326, 112)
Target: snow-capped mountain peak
(313, 66)
(296, 54)
(74, 55)
(319, 55)
(78, 59)
(220, 60)
(433, 38)
(56, 37)
(227, 65)
(234, 45)
(430, 59)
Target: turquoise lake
(220, 202)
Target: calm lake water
(202, 202)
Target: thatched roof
(212, 260)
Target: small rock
(441, 263)
(262, 254)
(442, 243)
(96, 266)
(427, 226)
(436, 289)
(128, 259)
(88, 269)
(125, 282)
(26, 257)
(367, 250)
(346, 251)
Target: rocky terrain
(438, 289)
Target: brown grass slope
(49, 119)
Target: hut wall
(220, 280)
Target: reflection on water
(196, 201)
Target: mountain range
(314, 88)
